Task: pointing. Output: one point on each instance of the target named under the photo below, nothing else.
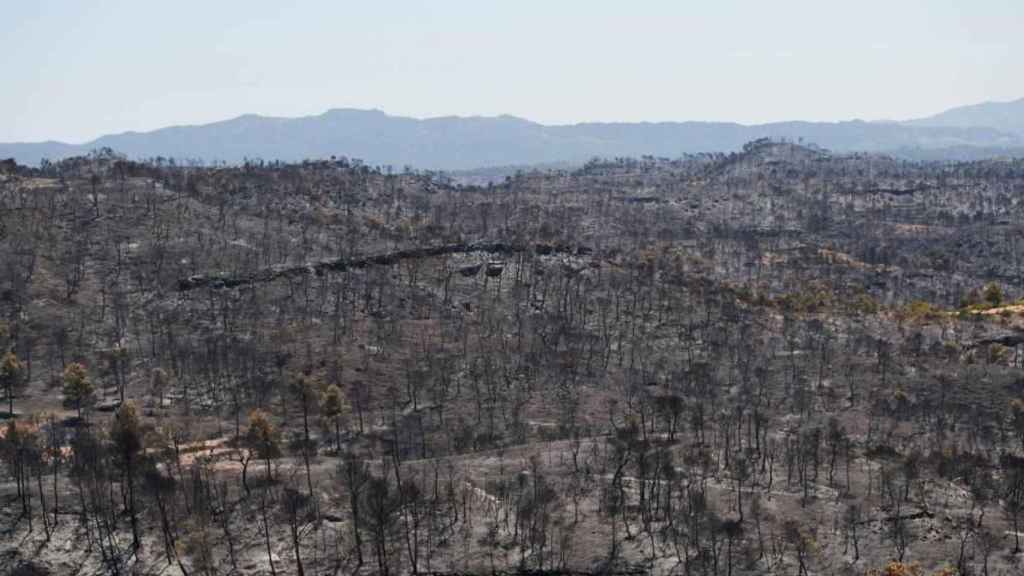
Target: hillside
(777, 361)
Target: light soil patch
(1011, 309)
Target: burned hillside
(778, 361)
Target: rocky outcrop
(494, 269)
(389, 258)
(551, 572)
(1008, 339)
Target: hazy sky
(73, 70)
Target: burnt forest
(776, 361)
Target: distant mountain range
(1005, 116)
(461, 143)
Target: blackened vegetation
(8, 166)
(781, 361)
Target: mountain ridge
(469, 142)
(1006, 116)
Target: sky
(76, 69)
